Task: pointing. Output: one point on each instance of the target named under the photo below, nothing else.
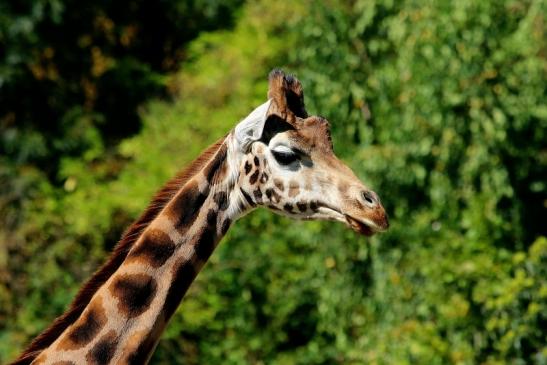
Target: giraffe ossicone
(277, 157)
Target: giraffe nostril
(370, 198)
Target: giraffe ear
(250, 129)
(287, 95)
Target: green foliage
(72, 66)
(439, 106)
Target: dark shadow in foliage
(89, 59)
(301, 324)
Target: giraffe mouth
(359, 226)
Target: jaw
(363, 226)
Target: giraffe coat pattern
(277, 157)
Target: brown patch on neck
(184, 273)
(130, 236)
(154, 249)
(86, 327)
(134, 293)
(185, 207)
(141, 345)
(103, 351)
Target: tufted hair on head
(287, 95)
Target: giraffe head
(288, 164)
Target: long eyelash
(284, 158)
(298, 152)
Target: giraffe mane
(122, 248)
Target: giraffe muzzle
(371, 218)
(366, 229)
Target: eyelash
(285, 158)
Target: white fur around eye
(283, 149)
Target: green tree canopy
(439, 106)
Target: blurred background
(439, 106)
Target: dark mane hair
(129, 237)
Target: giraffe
(278, 157)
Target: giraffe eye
(285, 157)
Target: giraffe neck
(124, 319)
